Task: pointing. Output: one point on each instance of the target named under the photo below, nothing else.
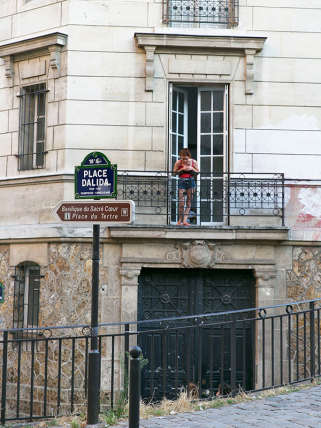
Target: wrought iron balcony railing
(224, 12)
(217, 198)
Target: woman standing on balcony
(186, 168)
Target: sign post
(95, 178)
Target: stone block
(283, 142)
(243, 163)
(88, 13)
(5, 144)
(307, 95)
(298, 45)
(275, 69)
(271, 19)
(7, 8)
(272, 93)
(154, 15)
(155, 161)
(304, 167)
(5, 27)
(5, 99)
(239, 141)
(306, 70)
(38, 253)
(50, 138)
(127, 14)
(238, 88)
(155, 114)
(13, 120)
(58, 90)
(106, 113)
(286, 117)
(91, 39)
(159, 138)
(4, 121)
(123, 40)
(305, 20)
(33, 21)
(111, 255)
(160, 90)
(52, 114)
(242, 116)
(124, 89)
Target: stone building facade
(81, 76)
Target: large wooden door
(177, 357)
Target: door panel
(182, 355)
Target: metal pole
(134, 387)
(4, 378)
(94, 355)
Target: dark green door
(177, 357)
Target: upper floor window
(201, 13)
(31, 152)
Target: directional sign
(111, 212)
(95, 178)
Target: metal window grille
(31, 153)
(216, 13)
(26, 295)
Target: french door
(198, 120)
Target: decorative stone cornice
(178, 43)
(51, 43)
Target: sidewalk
(293, 410)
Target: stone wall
(303, 283)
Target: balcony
(203, 12)
(225, 199)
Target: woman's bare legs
(189, 195)
(181, 203)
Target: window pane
(218, 100)
(174, 100)
(205, 123)
(205, 101)
(174, 125)
(174, 146)
(181, 102)
(217, 122)
(181, 124)
(180, 143)
(205, 166)
(217, 144)
(205, 145)
(217, 208)
(218, 165)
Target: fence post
(233, 355)
(134, 387)
(312, 342)
(4, 378)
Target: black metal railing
(251, 349)
(215, 12)
(217, 198)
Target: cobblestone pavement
(296, 409)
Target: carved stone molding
(198, 254)
(9, 73)
(264, 275)
(173, 255)
(129, 276)
(51, 43)
(198, 44)
(249, 84)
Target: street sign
(95, 178)
(111, 212)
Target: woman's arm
(176, 166)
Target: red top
(185, 174)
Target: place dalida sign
(95, 178)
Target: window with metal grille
(26, 295)
(201, 13)
(31, 152)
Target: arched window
(26, 295)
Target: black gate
(167, 293)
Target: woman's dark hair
(185, 152)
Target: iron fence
(246, 350)
(217, 198)
(223, 12)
